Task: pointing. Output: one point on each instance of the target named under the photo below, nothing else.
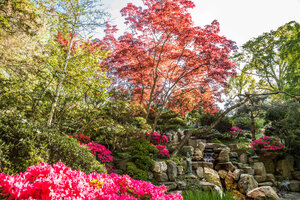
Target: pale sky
(240, 20)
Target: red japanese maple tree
(168, 62)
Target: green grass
(206, 195)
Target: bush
(136, 173)
(60, 182)
(25, 144)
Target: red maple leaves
(167, 61)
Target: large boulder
(263, 193)
(285, 167)
(244, 158)
(161, 177)
(259, 169)
(212, 176)
(248, 170)
(200, 172)
(159, 167)
(206, 186)
(230, 183)
(223, 156)
(201, 146)
(269, 164)
(198, 155)
(295, 186)
(170, 185)
(247, 183)
(197, 164)
(172, 170)
(180, 170)
(236, 174)
(181, 185)
(222, 173)
(228, 166)
(296, 175)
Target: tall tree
(77, 16)
(274, 59)
(167, 62)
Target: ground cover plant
(206, 195)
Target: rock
(228, 166)
(248, 170)
(197, 164)
(181, 185)
(233, 155)
(200, 172)
(233, 147)
(172, 170)
(187, 149)
(263, 193)
(269, 164)
(201, 146)
(198, 155)
(179, 170)
(159, 167)
(296, 175)
(295, 186)
(223, 156)
(265, 184)
(244, 158)
(259, 169)
(236, 174)
(247, 183)
(212, 176)
(161, 177)
(170, 185)
(193, 143)
(230, 182)
(222, 173)
(238, 195)
(270, 177)
(259, 178)
(285, 167)
(215, 146)
(150, 175)
(206, 186)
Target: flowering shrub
(159, 139)
(100, 151)
(60, 182)
(163, 150)
(236, 131)
(268, 146)
(82, 139)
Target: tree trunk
(60, 84)
(189, 133)
(252, 119)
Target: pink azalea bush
(268, 146)
(61, 182)
(100, 151)
(237, 131)
(159, 139)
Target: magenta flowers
(159, 139)
(60, 182)
(268, 146)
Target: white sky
(240, 20)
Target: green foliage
(223, 126)
(283, 121)
(134, 172)
(211, 195)
(140, 151)
(170, 120)
(25, 144)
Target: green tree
(274, 59)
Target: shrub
(27, 144)
(136, 173)
(60, 182)
(268, 146)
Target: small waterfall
(208, 155)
